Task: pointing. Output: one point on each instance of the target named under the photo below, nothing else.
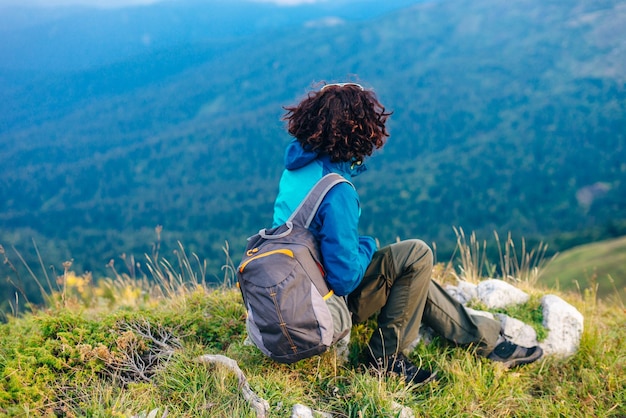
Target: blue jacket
(345, 254)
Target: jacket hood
(297, 157)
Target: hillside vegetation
(508, 116)
(125, 347)
(599, 265)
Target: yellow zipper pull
(279, 251)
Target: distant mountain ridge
(81, 38)
(503, 112)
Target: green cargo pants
(398, 286)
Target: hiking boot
(513, 355)
(400, 365)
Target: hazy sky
(121, 3)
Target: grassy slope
(602, 263)
(80, 357)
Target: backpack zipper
(280, 251)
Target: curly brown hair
(344, 121)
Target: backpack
(283, 287)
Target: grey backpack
(283, 286)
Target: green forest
(507, 117)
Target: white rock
(470, 290)
(564, 324)
(463, 291)
(301, 411)
(454, 292)
(517, 331)
(498, 294)
(404, 411)
(475, 312)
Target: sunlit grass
(599, 264)
(65, 359)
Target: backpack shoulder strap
(305, 212)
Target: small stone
(517, 331)
(463, 291)
(301, 411)
(403, 411)
(475, 312)
(499, 294)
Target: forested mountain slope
(508, 116)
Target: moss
(530, 313)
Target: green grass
(601, 264)
(125, 347)
(71, 362)
(529, 313)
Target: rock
(463, 291)
(454, 292)
(402, 411)
(499, 294)
(517, 331)
(475, 312)
(301, 411)
(562, 321)
(564, 324)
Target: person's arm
(345, 254)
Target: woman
(335, 129)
